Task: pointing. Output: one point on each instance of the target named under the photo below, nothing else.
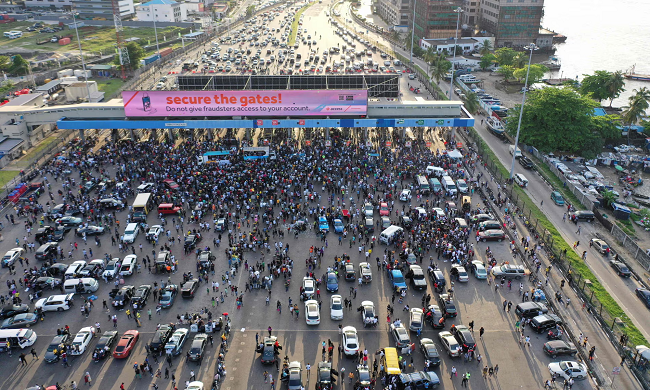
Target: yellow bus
(390, 361)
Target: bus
(390, 361)
(221, 157)
(252, 153)
(141, 206)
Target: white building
(47, 3)
(103, 9)
(469, 45)
(395, 13)
(162, 11)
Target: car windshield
(398, 279)
(331, 279)
(294, 380)
(336, 306)
(564, 366)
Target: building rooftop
(159, 2)
(23, 99)
(450, 41)
(49, 85)
(8, 144)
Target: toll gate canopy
(378, 86)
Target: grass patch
(558, 184)
(610, 307)
(7, 176)
(295, 24)
(26, 160)
(627, 226)
(109, 86)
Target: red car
(126, 344)
(171, 184)
(383, 209)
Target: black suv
(447, 306)
(141, 295)
(189, 288)
(438, 277)
(325, 380)
(464, 338)
(544, 322)
(44, 233)
(46, 251)
(525, 162)
(582, 215)
(161, 337)
(123, 296)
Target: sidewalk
(578, 320)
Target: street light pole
(415, 3)
(532, 47)
(458, 11)
(83, 63)
(155, 31)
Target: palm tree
(615, 85)
(439, 68)
(638, 104)
(486, 47)
(520, 60)
(471, 102)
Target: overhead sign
(245, 103)
(389, 144)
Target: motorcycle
(554, 334)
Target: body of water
(602, 35)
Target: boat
(632, 75)
(494, 125)
(553, 63)
(637, 195)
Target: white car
(422, 213)
(336, 307)
(479, 269)
(417, 319)
(74, 269)
(55, 302)
(196, 385)
(145, 187)
(462, 186)
(368, 210)
(154, 232)
(308, 287)
(128, 265)
(112, 268)
(568, 369)
(175, 344)
(405, 196)
(350, 340)
(365, 271)
(460, 273)
(312, 314)
(81, 340)
(440, 213)
(449, 343)
(368, 313)
(12, 256)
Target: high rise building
(396, 13)
(102, 9)
(437, 19)
(514, 23)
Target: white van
(390, 234)
(435, 185)
(17, 338)
(130, 233)
(435, 171)
(511, 149)
(449, 185)
(521, 180)
(462, 186)
(74, 269)
(80, 286)
(13, 34)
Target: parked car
(126, 344)
(59, 342)
(557, 198)
(492, 235)
(509, 271)
(197, 348)
(336, 307)
(555, 348)
(175, 344)
(105, 345)
(168, 295)
(81, 340)
(11, 310)
(644, 295)
(161, 337)
(449, 343)
(349, 341)
(568, 369)
(620, 268)
(430, 351)
(599, 245)
(400, 335)
(447, 305)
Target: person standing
(453, 372)
(87, 379)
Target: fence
(612, 327)
(640, 255)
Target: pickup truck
(32, 193)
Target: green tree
(520, 60)
(471, 102)
(609, 198)
(615, 85)
(560, 119)
(439, 68)
(536, 73)
(638, 104)
(595, 85)
(19, 66)
(250, 10)
(487, 60)
(486, 48)
(507, 71)
(430, 55)
(5, 63)
(418, 51)
(505, 56)
(136, 53)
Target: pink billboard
(245, 103)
